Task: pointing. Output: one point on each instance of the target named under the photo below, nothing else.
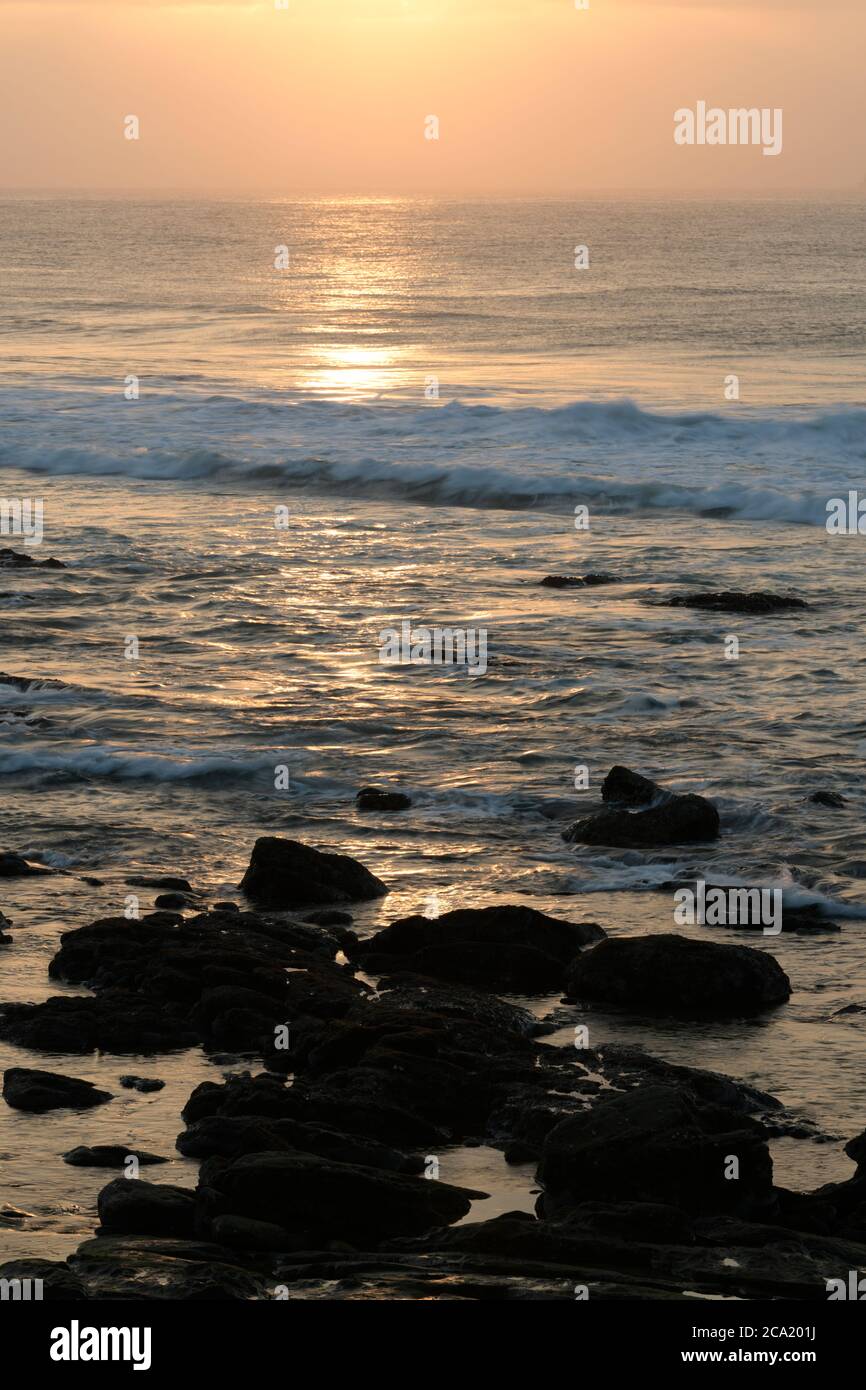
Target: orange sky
(332, 95)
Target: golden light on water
(353, 372)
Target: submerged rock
(166, 881)
(377, 799)
(825, 798)
(329, 917)
(108, 1156)
(142, 1083)
(26, 1089)
(16, 866)
(509, 948)
(668, 818)
(732, 601)
(286, 873)
(576, 581)
(20, 560)
(672, 974)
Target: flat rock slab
(37, 1091)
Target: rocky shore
(368, 1058)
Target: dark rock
(667, 819)
(500, 948)
(576, 581)
(656, 1144)
(5, 940)
(329, 917)
(142, 1083)
(166, 881)
(25, 1089)
(676, 974)
(731, 601)
(58, 1283)
(116, 1021)
(108, 1156)
(336, 1200)
(233, 907)
(174, 902)
(629, 788)
(376, 799)
(229, 1136)
(242, 1233)
(150, 976)
(824, 798)
(129, 1206)
(19, 560)
(286, 873)
(150, 1268)
(14, 866)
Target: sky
(333, 96)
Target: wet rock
(732, 601)
(27, 1089)
(672, 974)
(142, 1083)
(346, 1108)
(116, 1021)
(155, 983)
(628, 788)
(108, 1156)
(174, 902)
(168, 882)
(377, 799)
(242, 1233)
(5, 940)
(19, 560)
(233, 907)
(15, 866)
(54, 1279)
(31, 682)
(151, 1267)
(576, 581)
(825, 798)
(329, 917)
(668, 818)
(230, 1136)
(499, 948)
(286, 874)
(335, 1200)
(678, 821)
(656, 1144)
(130, 1206)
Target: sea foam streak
(611, 455)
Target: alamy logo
(729, 907)
(846, 516)
(854, 1289)
(434, 646)
(77, 1343)
(21, 1290)
(22, 516)
(739, 126)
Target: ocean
(255, 471)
